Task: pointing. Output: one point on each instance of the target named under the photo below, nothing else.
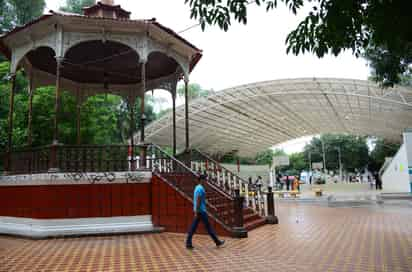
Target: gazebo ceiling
(253, 117)
(103, 62)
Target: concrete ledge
(396, 196)
(45, 228)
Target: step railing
(226, 180)
(220, 204)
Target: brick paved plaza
(323, 239)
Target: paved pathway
(309, 238)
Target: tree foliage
(332, 26)
(355, 155)
(19, 12)
(353, 149)
(76, 6)
(266, 157)
(297, 163)
(24, 11)
(195, 91)
(382, 150)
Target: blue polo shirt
(199, 192)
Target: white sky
(244, 54)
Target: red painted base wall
(172, 210)
(75, 201)
(168, 208)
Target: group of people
(255, 186)
(290, 182)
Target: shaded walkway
(324, 239)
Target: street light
(324, 156)
(310, 167)
(340, 162)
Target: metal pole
(78, 112)
(53, 164)
(10, 132)
(310, 167)
(272, 176)
(57, 102)
(132, 131)
(142, 119)
(324, 156)
(174, 122)
(142, 115)
(30, 118)
(187, 112)
(340, 164)
(310, 162)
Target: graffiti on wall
(77, 178)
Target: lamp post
(310, 167)
(324, 156)
(340, 162)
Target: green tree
(266, 157)
(6, 16)
(76, 6)
(382, 150)
(297, 163)
(25, 11)
(332, 26)
(195, 91)
(354, 151)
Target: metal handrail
(220, 166)
(191, 171)
(225, 199)
(257, 200)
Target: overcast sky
(244, 54)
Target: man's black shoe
(189, 247)
(220, 243)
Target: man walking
(199, 208)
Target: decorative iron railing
(226, 180)
(75, 158)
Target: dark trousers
(201, 216)
(378, 185)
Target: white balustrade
(247, 195)
(265, 204)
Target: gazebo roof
(54, 15)
(254, 117)
(104, 45)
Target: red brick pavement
(323, 239)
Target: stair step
(250, 217)
(255, 223)
(248, 211)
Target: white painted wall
(395, 179)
